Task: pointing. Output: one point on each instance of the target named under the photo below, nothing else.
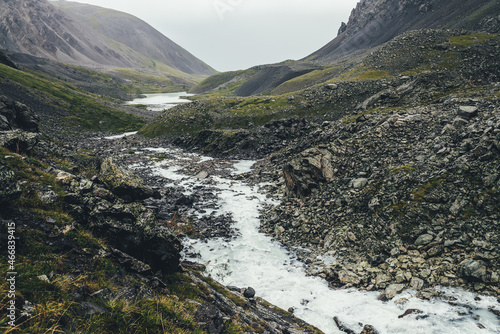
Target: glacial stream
(252, 259)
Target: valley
(356, 189)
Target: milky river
(252, 259)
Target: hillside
(41, 29)
(136, 34)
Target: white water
(163, 101)
(255, 260)
(123, 135)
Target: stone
(342, 327)
(467, 111)
(416, 283)
(359, 183)
(44, 278)
(15, 115)
(393, 290)
(423, 240)
(249, 293)
(332, 86)
(48, 197)
(123, 182)
(382, 278)
(19, 141)
(348, 277)
(369, 329)
(410, 311)
(89, 309)
(9, 187)
(472, 270)
(201, 175)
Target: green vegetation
(360, 74)
(402, 169)
(83, 108)
(465, 41)
(232, 79)
(307, 80)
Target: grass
(465, 41)
(84, 109)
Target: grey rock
(467, 111)
(394, 289)
(472, 270)
(19, 141)
(9, 187)
(249, 292)
(416, 283)
(123, 182)
(424, 239)
(89, 309)
(359, 183)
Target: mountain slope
(38, 28)
(136, 34)
(374, 22)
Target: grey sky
(238, 34)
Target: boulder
(133, 229)
(393, 290)
(305, 173)
(467, 111)
(249, 292)
(123, 183)
(15, 115)
(18, 141)
(472, 270)
(424, 239)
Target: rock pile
(400, 198)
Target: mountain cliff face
(374, 22)
(38, 28)
(136, 34)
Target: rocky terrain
(91, 245)
(386, 165)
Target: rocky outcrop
(15, 115)
(128, 225)
(123, 183)
(18, 126)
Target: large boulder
(472, 270)
(9, 188)
(305, 173)
(15, 115)
(19, 141)
(123, 183)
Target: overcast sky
(238, 34)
